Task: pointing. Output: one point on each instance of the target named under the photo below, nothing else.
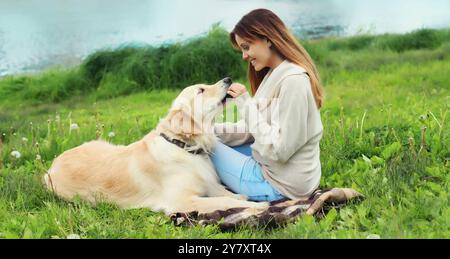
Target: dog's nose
(227, 81)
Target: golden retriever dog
(168, 170)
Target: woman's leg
(244, 149)
(242, 174)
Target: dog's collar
(182, 144)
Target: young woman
(277, 155)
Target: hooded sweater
(284, 124)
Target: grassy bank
(117, 72)
(385, 120)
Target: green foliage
(415, 40)
(354, 43)
(114, 72)
(420, 39)
(391, 150)
(378, 104)
(129, 69)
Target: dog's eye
(200, 90)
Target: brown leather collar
(182, 144)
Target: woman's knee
(266, 197)
(244, 149)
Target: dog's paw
(240, 197)
(262, 205)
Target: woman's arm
(287, 131)
(233, 134)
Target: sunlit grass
(386, 134)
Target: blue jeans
(241, 173)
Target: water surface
(36, 34)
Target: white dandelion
(423, 117)
(111, 134)
(74, 126)
(38, 157)
(24, 139)
(16, 154)
(73, 236)
(373, 236)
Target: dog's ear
(183, 121)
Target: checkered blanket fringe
(278, 214)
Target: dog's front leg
(218, 190)
(210, 204)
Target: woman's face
(258, 52)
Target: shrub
(419, 39)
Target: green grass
(380, 98)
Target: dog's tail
(47, 181)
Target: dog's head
(193, 111)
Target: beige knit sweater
(284, 123)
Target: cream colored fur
(153, 173)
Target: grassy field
(386, 134)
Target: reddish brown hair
(264, 24)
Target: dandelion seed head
(73, 236)
(373, 236)
(423, 117)
(111, 134)
(16, 154)
(74, 126)
(24, 139)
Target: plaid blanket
(279, 213)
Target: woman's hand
(236, 89)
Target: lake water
(36, 34)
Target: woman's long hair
(264, 24)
